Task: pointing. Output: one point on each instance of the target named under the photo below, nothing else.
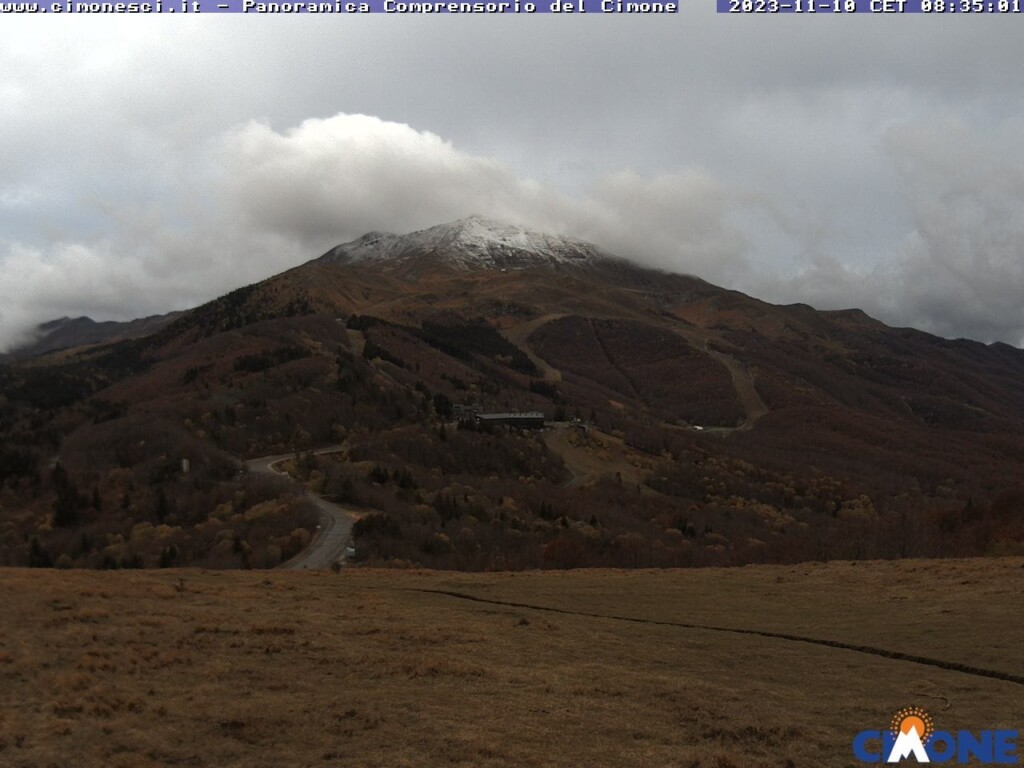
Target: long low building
(527, 419)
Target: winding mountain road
(328, 546)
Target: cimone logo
(912, 736)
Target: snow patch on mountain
(471, 243)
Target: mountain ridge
(69, 333)
(710, 427)
(471, 242)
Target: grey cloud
(957, 269)
(961, 269)
(338, 178)
(855, 161)
(273, 199)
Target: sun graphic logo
(912, 736)
(911, 727)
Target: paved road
(328, 546)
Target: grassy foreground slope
(383, 668)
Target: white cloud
(957, 268)
(862, 163)
(337, 178)
(276, 199)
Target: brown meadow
(401, 668)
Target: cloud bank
(271, 200)
(267, 200)
(840, 162)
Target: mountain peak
(474, 242)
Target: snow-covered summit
(470, 243)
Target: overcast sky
(152, 163)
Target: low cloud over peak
(874, 163)
(274, 199)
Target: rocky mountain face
(471, 243)
(691, 424)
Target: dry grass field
(383, 668)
